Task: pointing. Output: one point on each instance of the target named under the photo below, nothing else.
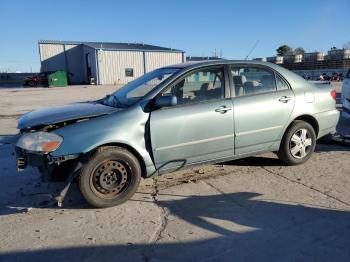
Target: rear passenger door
(263, 104)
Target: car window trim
(195, 103)
(284, 80)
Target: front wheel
(32, 84)
(110, 178)
(298, 143)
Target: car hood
(54, 115)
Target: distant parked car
(345, 97)
(324, 77)
(40, 79)
(175, 117)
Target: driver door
(200, 127)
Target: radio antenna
(251, 50)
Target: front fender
(124, 127)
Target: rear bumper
(327, 122)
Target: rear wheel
(298, 143)
(110, 178)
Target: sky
(197, 27)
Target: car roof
(293, 78)
(218, 62)
(289, 75)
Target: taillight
(334, 94)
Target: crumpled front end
(51, 168)
(33, 147)
(37, 139)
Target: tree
(284, 50)
(299, 51)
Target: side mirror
(166, 100)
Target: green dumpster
(58, 78)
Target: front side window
(202, 85)
(252, 80)
(137, 89)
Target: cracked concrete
(163, 216)
(310, 187)
(253, 209)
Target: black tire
(32, 84)
(293, 157)
(110, 178)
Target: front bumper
(24, 158)
(44, 162)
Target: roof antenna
(251, 50)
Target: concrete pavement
(254, 209)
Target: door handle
(223, 109)
(285, 99)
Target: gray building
(106, 63)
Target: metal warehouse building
(106, 63)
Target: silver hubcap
(300, 144)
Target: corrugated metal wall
(74, 65)
(156, 60)
(52, 57)
(91, 52)
(112, 65)
(67, 57)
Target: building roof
(203, 58)
(114, 46)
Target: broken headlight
(40, 142)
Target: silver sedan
(176, 117)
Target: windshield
(137, 89)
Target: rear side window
(281, 84)
(348, 74)
(253, 80)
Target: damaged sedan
(176, 117)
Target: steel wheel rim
(110, 178)
(300, 144)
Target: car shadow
(332, 147)
(21, 191)
(255, 161)
(239, 226)
(343, 129)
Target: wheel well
(311, 120)
(129, 148)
